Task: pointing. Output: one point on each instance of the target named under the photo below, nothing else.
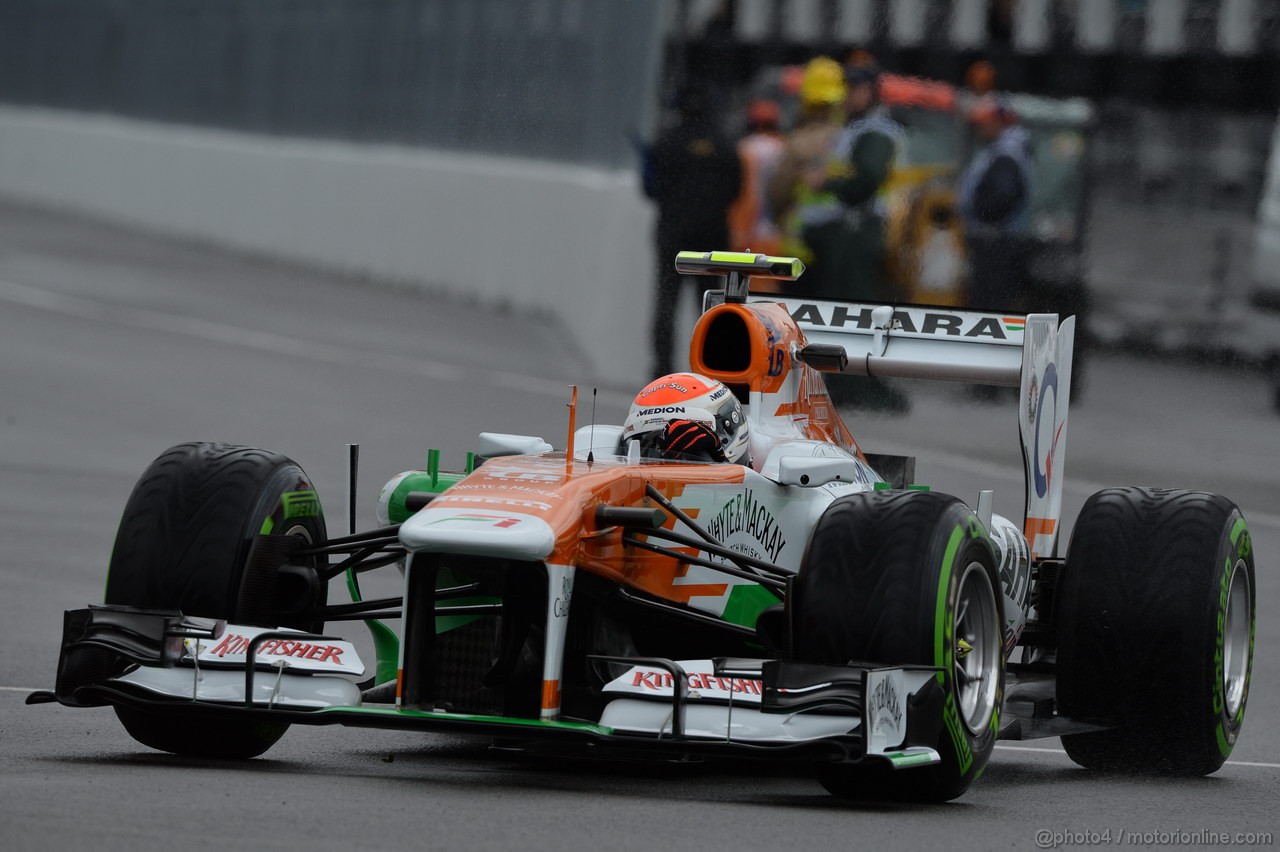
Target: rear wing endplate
(1031, 352)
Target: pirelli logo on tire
(300, 504)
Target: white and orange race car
(814, 605)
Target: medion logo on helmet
(668, 409)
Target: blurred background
(425, 141)
(299, 224)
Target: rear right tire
(1155, 622)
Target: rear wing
(1031, 352)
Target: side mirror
(825, 357)
(501, 444)
(809, 471)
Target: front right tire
(908, 577)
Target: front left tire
(185, 543)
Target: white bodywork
(1031, 352)
(727, 708)
(303, 673)
(480, 531)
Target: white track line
(18, 689)
(1003, 747)
(279, 344)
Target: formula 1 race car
(815, 606)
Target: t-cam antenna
(738, 267)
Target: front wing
(164, 663)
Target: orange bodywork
(565, 495)
(788, 400)
(779, 385)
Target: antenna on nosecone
(568, 446)
(592, 440)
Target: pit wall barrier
(567, 244)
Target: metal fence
(551, 79)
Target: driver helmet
(679, 398)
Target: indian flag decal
(1015, 323)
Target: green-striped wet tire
(1155, 621)
(908, 577)
(184, 543)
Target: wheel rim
(1235, 640)
(299, 530)
(977, 648)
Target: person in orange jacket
(751, 225)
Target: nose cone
(478, 532)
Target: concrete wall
(571, 241)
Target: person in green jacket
(849, 250)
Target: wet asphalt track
(114, 346)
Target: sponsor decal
(497, 521)
(300, 652)
(662, 681)
(886, 707)
(516, 489)
(655, 388)
(911, 322)
(560, 606)
(777, 356)
(719, 393)
(237, 645)
(666, 409)
(1043, 475)
(492, 501)
(1033, 400)
(524, 475)
(745, 514)
(301, 504)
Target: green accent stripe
(941, 648)
(267, 526)
(1237, 529)
(1223, 745)
(902, 761)
(386, 644)
(746, 603)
